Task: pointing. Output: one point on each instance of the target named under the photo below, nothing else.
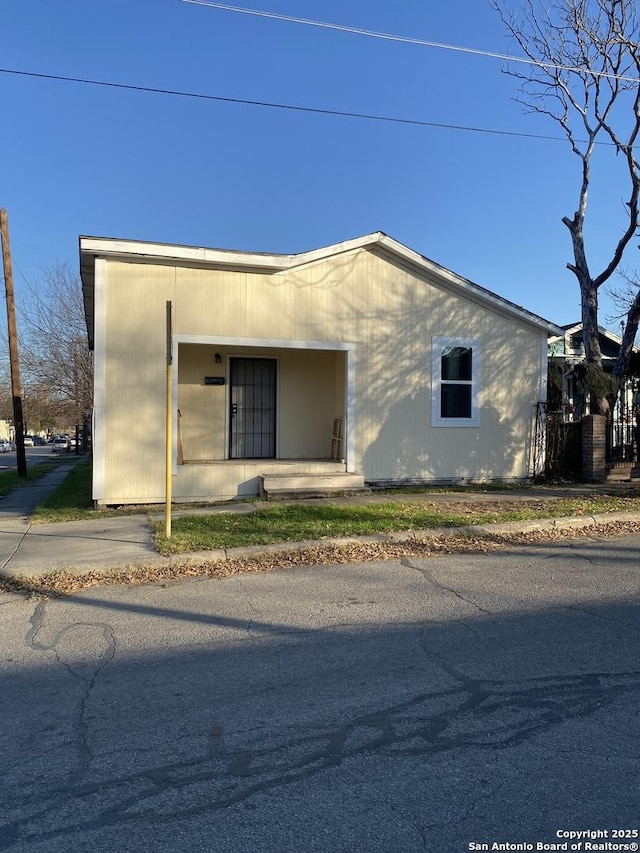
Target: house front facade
(363, 357)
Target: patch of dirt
(486, 506)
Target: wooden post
(14, 359)
(169, 413)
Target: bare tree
(626, 301)
(6, 399)
(583, 72)
(56, 361)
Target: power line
(278, 106)
(409, 40)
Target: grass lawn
(71, 500)
(9, 480)
(272, 523)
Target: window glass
(456, 363)
(455, 401)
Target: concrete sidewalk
(79, 546)
(103, 544)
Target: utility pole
(14, 358)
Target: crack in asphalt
(16, 549)
(482, 714)
(460, 818)
(615, 622)
(428, 576)
(249, 629)
(87, 682)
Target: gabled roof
(92, 248)
(571, 330)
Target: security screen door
(253, 408)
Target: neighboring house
(361, 358)
(7, 431)
(567, 351)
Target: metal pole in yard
(167, 522)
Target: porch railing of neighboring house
(623, 429)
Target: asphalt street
(426, 705)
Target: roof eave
(107, 247)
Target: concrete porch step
(622, 471)
(291, 486)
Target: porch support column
(350, 410)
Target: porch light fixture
(217, 358)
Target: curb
(255, 552)
(506, 527)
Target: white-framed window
(455, 367)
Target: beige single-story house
(363, 360)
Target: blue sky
(80, 159)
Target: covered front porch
(247, 409)
(204, 481)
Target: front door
(253, 408)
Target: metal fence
(563, 457)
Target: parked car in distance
(60, 442)
(4, 446)
(28, 441)
(38, 440)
